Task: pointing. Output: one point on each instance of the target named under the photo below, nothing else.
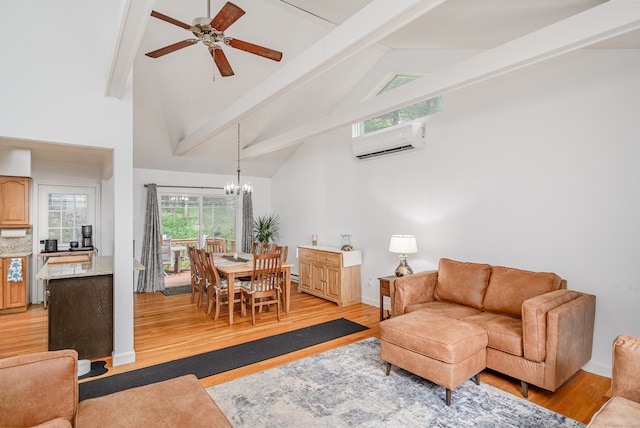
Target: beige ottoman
(443, 350)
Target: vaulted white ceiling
(334, 52)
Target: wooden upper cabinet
(14, 201)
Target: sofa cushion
(180, 401)
(55, 423)
(440, 338)
(462, 282)
(442, 308)
(504, 332)
(509, 288)
(617, 412)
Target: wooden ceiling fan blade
(170, 20)
(221, 62)
(171, 48)
(254, 49)
(229, 14)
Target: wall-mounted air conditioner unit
(395, 139)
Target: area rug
(347, 387)
(173, 291)
(214, 362)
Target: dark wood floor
(167, 328)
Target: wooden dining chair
(269, 248)
(196, 275)
(264, 288)
(262, 248)
(283, 250)
(215, 246)
(203, 284)
(218, 292)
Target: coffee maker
(87, 240)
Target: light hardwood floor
(168, 328)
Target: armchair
(623, 409)
(41, 389)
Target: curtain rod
(187, 187)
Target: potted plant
(267, 228)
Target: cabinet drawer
(330, 259)
(307, 255)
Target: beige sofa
(538, 331)
(623, 409)
(41, 390)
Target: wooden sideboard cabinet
(14, 202)
(13, 295)
(330, 273)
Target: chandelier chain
(233, 188)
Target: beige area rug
(347, 387)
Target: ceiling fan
(211, 33)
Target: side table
(385, 290)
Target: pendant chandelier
(232, 188)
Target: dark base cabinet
(81, 315)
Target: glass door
(188, 219)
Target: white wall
(535, 170)
(53, 89)
(15, 162)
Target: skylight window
(403, 115)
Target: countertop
(98, 265)
(68, 253)
(15, 254)
(349, 258)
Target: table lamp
(403, 245)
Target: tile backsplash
(17, 245)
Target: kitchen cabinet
(81, 305)
(330, 273)
(81, 315)
(13, 294)
(14, 202)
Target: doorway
(188, 220)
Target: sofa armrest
(625, 378)
(570, 338)
(534, 321)
(37, 388)
(411, 289)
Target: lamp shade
(403, 244)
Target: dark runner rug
(97, 368)
(173, 291)
(222, 360)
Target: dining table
(238, 265)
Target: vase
(345, 244)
